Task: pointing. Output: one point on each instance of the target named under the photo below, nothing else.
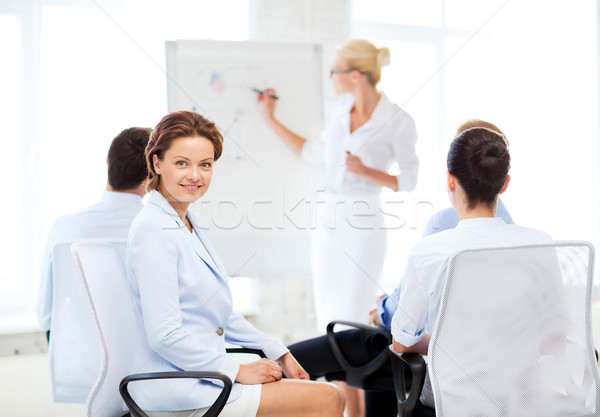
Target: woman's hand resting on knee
(264, 371)
(291, 367)
(259, 372)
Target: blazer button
(220, 331)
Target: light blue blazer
(180, 289)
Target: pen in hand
(273, 96)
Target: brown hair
(479, 123)
(175, 125)
(126, 161)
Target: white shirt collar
(119, 197)
(382, 110)
(479, 222)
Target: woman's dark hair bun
(487, 160)
(480, 161)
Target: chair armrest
(213, 411)
(418, 368)
(355, 376)
(257, 352)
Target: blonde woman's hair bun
(383, 57)
(362, 55)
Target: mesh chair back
(73, 353)
(119, 328)
(513, 335)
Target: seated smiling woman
(180, 288)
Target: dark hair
(126, 160)
(479, 160)
(175, 125)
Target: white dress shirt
(109, 219)
(422, 285)
(448, 219)
(423, 281)
(388, 136)
(442, 220)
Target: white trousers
(348, 250)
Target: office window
(472, 14)
(83, 71)
(405, 82)
(504, 62)
(418, 13)
(108, 77)
(15, 167)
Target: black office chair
(215, 409)
(256, 352)
(361, 376)
(378, 386)
(409, 366)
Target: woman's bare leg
(355, 400)
(298, 398)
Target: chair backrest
(74, 351)
(119, 328)
(513, 335)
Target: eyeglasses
(333, 72)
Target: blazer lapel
(157, 199)
(200, 243)
(204, 249)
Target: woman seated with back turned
(478, 164)
(180, 288)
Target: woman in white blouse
(364, 137)
(180, 288)
(478, 164)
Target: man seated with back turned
(108, 219)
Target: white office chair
(514, 336)
(73, 353)
(121, 332)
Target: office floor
(25, 388)
(25, 382)
(25, 378)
